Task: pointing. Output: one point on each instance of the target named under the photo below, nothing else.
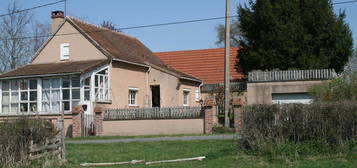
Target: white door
(285, 98)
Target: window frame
(64, 51)
(130, 97)
(186, 97)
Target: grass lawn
(141, 136)
(219, 153)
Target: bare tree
(41, 32)
(110, 25)
(235, 34)
(14, 49)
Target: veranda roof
(52, 69)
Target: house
(260, 87)
(84, 64)
(207, 65)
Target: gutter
(46, 75)
(128, 62)
(186, 78)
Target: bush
(339, 89)
(331, 124)
(16, 135)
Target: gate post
(238, 103)
(77, 112)
(98, 120)
(210, 115)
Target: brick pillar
(238, 104)
(77, 121)
(210, 115)
(98, 120)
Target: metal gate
(88, 125)
(220, 115)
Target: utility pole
(226, 67)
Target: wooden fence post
(210, 118)
(238, 104)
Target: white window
(186, 97)
(19, 96)
(101, 86)
(60, 94)
(64, 51)
(133, 96)
(197, 95)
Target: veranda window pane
(46, 95)
(33, 84)
(14, 85)
(5, 86)
(33, 107)
(5, 98)
(46, 84)
(96, 82)
(55, 95)
(55, 83)
(75, 103)
(5, 108)
(55, 106)
(14, 107)
(46, 107)
(65, 83)
(24, 96)
(86, 95)
(65, 94)
(66, 106)
(14, 96)
(23, 84)
(33, 95)
(75, 94)
(75, 82)
(24, 107)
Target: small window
(197, 95)
(133, 96)
(186, 97)
(64, 51)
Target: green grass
(219, 153)
(141, 136)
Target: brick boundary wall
(238, 104)
(210, 115)
(98, 120)
(77, 120)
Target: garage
(285, 98)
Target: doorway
(155, 95)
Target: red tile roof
(205, 64)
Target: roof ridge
(195, 50)
(100, 27)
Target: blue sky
(127, 13)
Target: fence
(52, 147)
(154, 113)
(291, 75)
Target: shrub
(331, 124)
(16, 135)
(340, 89)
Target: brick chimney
(57, 20)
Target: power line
(127, 28)
(344, 2)
(40, 6)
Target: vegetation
(286, 34)
(339, 89)
(14, 49)
(15, 137)
(219, 153)
(328, 126)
